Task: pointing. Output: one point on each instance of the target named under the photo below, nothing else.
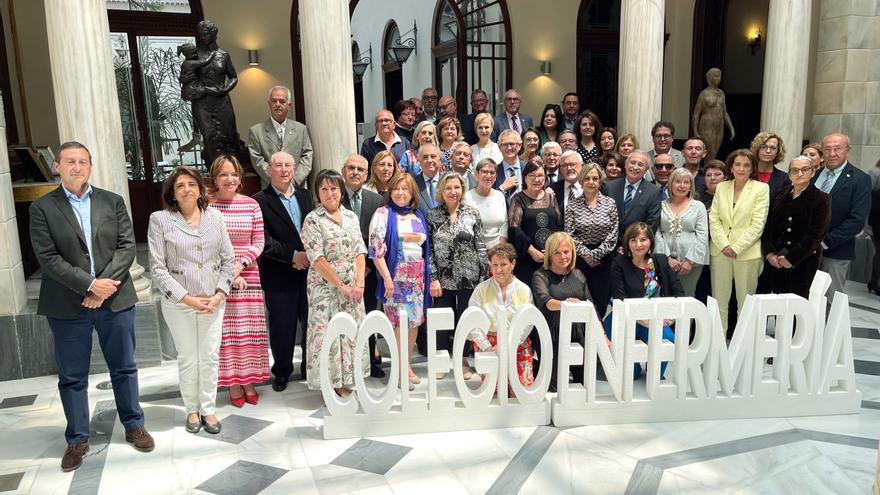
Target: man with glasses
(638, 200)
(363, 203)
(568, 140)
(447, 107)
(662, 134)
(385, 139)
(551, 153)
(479, 103)
(509, 178)
(568, 189)
(429, 105)
(512, 118)
(850, 190)
(571, 107)
(663, 168)
(694, 152)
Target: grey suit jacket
(426, 202)
(263, 143)
(501, 124)
(60, 247)
(645, 205)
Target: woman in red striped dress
(244, 355)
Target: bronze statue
(710, 115)
(207, 76)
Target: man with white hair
(509, 172)
(568, 189)
(551, 153)
(279, 133)
(638, 200)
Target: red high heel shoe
(252, 399)
(237, 401)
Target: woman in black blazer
(642, 273)
(796, 225)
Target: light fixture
(253, 57)
(546, 68)
(401, 50)
(360, 66)
(755, 40)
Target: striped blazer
(190, 261)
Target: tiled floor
(277, 447)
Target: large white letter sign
(436, 411)
(812, 371)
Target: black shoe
(213, 429)
(193, 427)
(873, 288)
(376, 371)
(279, 384)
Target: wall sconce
(546, 68)
(401, 50)
(253, 57)
(360, 66)
(755, 40)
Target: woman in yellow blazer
(736, 222)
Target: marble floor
(277, 447)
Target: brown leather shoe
(73, 456)
(140, 438)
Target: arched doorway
(598, 47)
(472, 49)
(390, 66)
(156, 122)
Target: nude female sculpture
(710, 115)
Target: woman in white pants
(191, 260)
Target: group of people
(473, 210)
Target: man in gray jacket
(279, 133)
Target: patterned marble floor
(277, 447)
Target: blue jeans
(642, 334)
(73, 352)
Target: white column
(85, 95)
(328, 82)
(640, 89)
(785, 71)
(13, 296)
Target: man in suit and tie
(663, 167)
(850, 190)
(84, 242)
(568, 189)
(637, 199)
(508, 178)
(278, 133)
(429, 159)
(283, 264)
(551, 153)
(511, 118)
(363, 203)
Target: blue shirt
(820, 180)
(82, 210)
(291, 205)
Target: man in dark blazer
(637, 199)
(364, 204)
(850, 191)
(508, 173)
(429, 159)
(511, 118)
(283, 265)
(279, 133)
(567, 189)
(83, 240)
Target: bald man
(385, 139)
(283, 264)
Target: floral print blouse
(458, 253)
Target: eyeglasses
(429, 98)
(769, 147)
(714, 175)
(548, 154)
(481, 100)
(356, 169)
(384, 121)
(663, 136)
(836, 149)
(488, 171)
(571, 165)
(800, 171)
(509, 145)
(664, 166)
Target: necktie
(829, 180)
(513, 124)
(356, 204)
(551, 177)
(570, 195)
(280, 131)
(431, 192)
(629, 196)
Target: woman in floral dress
(399, 247)
(244, 356)
(332, 238)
